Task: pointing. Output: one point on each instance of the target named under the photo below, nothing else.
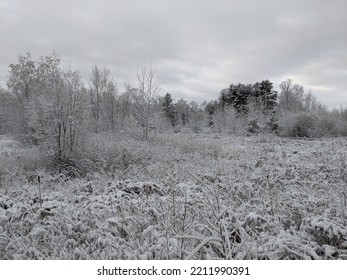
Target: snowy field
(182, 196)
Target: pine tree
(241, 95)
(268, 95)
(168, 109)
(237, 97)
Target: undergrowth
(244, 199)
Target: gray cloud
(198, 47)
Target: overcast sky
(198, 47)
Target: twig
(40, 193)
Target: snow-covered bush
(253, 127)
(297, 125)
(312, 125)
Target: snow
(183, 197)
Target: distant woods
(50, 106)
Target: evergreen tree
(267, 95)
(211, 109)
(169, 109)
(241, 95)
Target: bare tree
(99, 81)
(74, 110)
(124, 103)
(22, 83)
(286, 94)
(310, 102)
(110, 106)
(23, 77)
(145, 100)
(291, 97)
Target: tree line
(50, 106)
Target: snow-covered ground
(182, 196)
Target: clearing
(185, 196)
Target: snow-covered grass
(180, 197)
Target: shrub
(303, 125)
(252, 126)
(299, 125)
(312, 125)
(326, 126)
